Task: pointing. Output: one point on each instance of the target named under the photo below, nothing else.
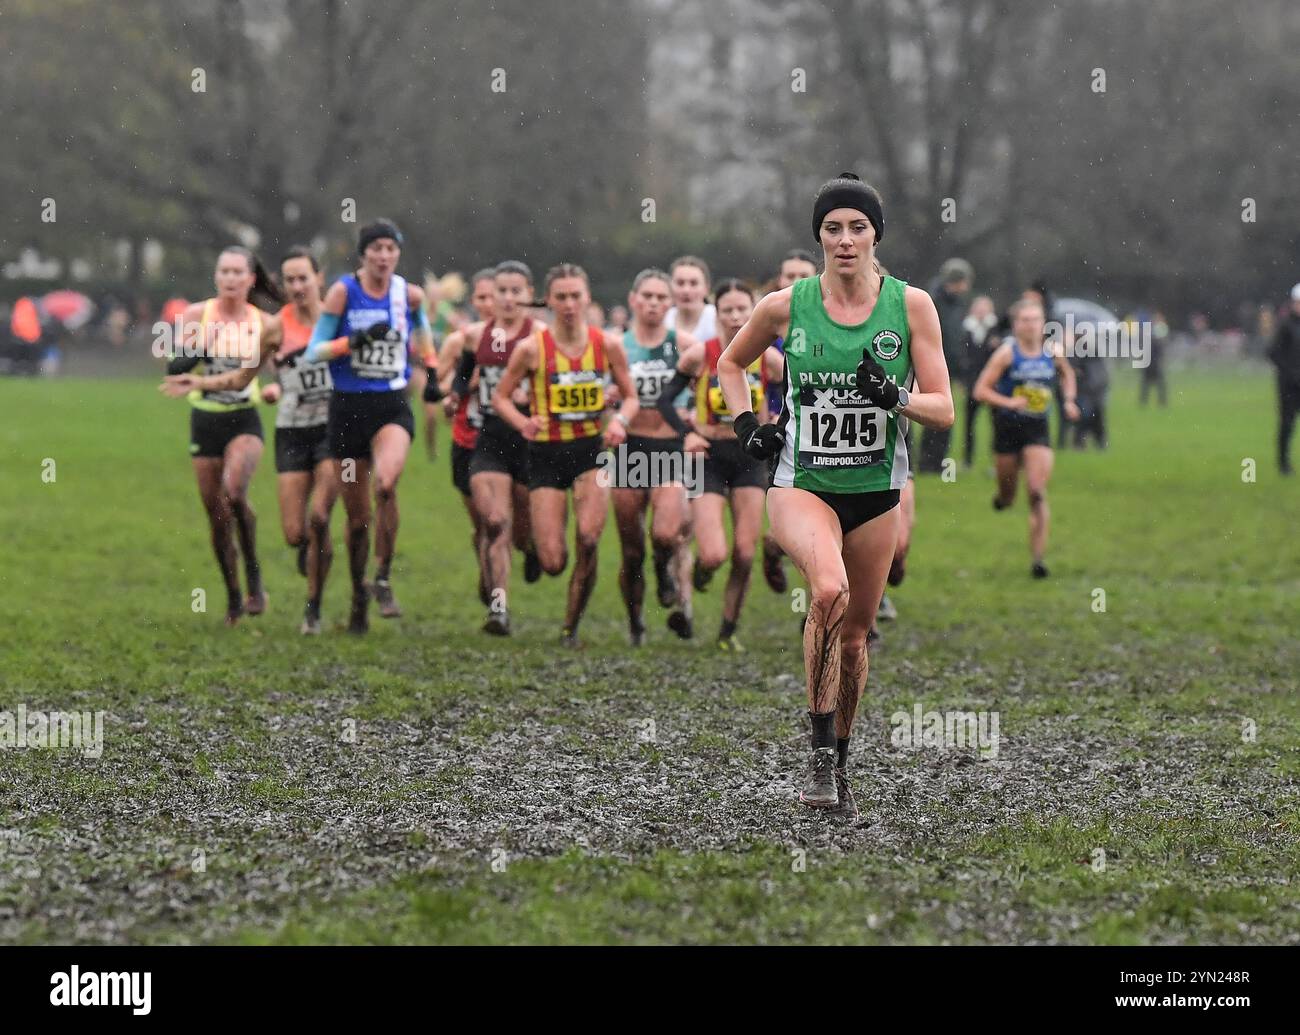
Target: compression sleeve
(681, 380)
(464, 369)
(324, 344)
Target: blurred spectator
(1092, 381)
(25, 335)
(173, 309)
(978, 344)
(618, 318)
(116, 324)
(595, 315)
(949, 291)
(1153, 374)
(1285, 355)
(1199, 326)
(442, 295)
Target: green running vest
(835, 440)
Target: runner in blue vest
(1019, 382)
(369, 324)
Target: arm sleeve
(681, 380)
(464, 368)
(325, 331)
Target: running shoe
(310, 623)
(665, 583)
(568, 638)
(358, 620)
(636, 633)
(846, 807)
(819, 790)
(1039, 570)
(234, 612)
(256, 602)
(680, 623)
(887, 612)
(999, 505)
(532, 565)
(388, 606)
(730, 645)
(774, 569)
(497, 624)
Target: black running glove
(182, 364)
(761, 441)
(873, 385)
(432, 389)
(288, 359)
(375, 332)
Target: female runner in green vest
(857, 342)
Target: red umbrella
(70, 308)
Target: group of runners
(712, 398)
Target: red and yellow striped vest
(568, 394)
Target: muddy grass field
(428, 784)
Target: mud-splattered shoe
(819, 790)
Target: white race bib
(838, 428)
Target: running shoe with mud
(665, 582)
(310, 621)
(680, 623)
(497, 624)
(532, 566)
(774, 569)
(383, 593)
(358, 619)
(256, 602)
(819, 790)
(846, 807)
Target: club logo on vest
(887, 345)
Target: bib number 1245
(841, 436)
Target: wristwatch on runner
(904, 397)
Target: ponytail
(265, 292)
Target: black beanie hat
(848, 191)
(372, 232)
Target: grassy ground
(505, 792)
